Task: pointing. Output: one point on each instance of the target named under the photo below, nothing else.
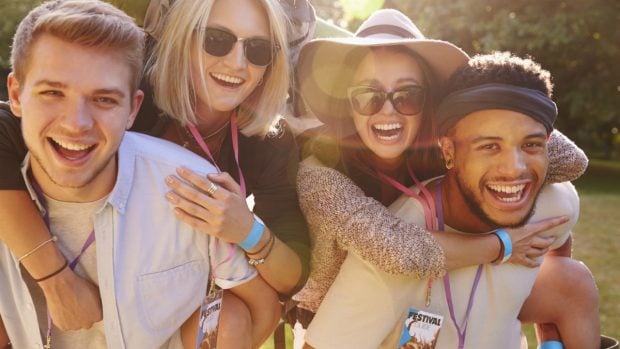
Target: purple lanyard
(446, 283)
(89, 241)
(235, 140)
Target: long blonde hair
(170, 69)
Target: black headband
(530, 102)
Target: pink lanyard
(235, 140)
(446, 283)
(231, 250)
(428, 204)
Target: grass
(597, 239)
(596, 242)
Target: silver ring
(212, 188)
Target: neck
(456, 212)
(98, 187)
(388, 166)
(212, 121)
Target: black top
(269, 167)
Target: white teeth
(72, 146)
(515, 190)
(388, 127)
(508, 189)
(227, 78)
(511, 199)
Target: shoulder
(558, 199)
(312, 166)
(7, 119)
(160, 152)
(279, 138)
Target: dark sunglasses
(368, 100)
(219, 43)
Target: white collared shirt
(152, 268)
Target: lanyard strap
(462, 333)
(89, 241)
(428, 208)
(235, 140)
(231, 251)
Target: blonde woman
(219, 73)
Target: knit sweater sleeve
(567, 161)
(338, 210)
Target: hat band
(530, 102)
(385, 29)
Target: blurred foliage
(578, 41)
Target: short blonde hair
(90, 23)
(170, 69)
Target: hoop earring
(449, 163)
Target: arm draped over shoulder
(338, 210)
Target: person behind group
(494, 127)
(74, 86)
(350, 81)
(222, 70)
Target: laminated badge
(420, 330)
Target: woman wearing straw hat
(375, 93)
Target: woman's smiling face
(388, 133)
(229, 79)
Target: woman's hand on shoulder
(212, 204)
(529, 242)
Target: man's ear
(136, 102)
(14, 89)
(446, 145)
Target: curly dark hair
(501, 67)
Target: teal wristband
(551, 345)
(254, 236)
(505, 239)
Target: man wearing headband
(494, 127)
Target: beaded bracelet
(255, 262)
(27, 254)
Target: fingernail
(171, 197)
(169, 180)
(182, 170)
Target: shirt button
(30, 306)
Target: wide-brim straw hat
(323, 61)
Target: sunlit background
(577, 40)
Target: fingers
(188, 206)
(546, 224)
(225, 181)
(526, 260)
(542, 242)
(194, 191)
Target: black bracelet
(271, 237)
(54, 273)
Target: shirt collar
(124, 179)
